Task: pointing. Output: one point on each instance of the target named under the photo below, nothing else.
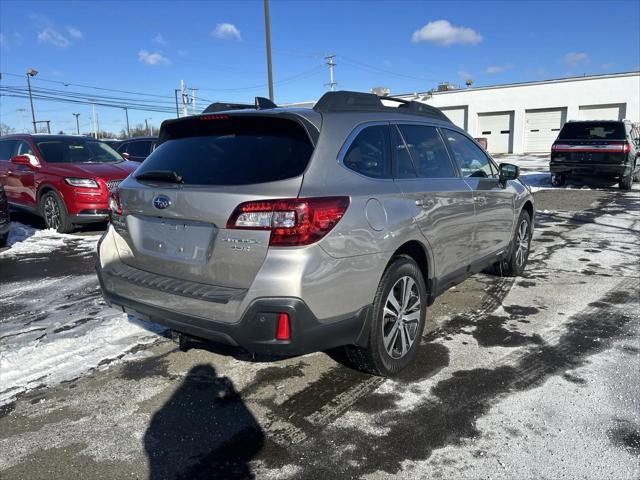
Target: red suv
(63, 178)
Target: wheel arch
(528, 207)
(420, 253)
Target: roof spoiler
(345, 101)
(261, 103)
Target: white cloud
(226, 31)
(495, 69)
(74, 32)
(573, 59)
(159, 39)
(464, 75)
(152, 58)
(442, 33)
(52, 36)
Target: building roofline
(523, 84)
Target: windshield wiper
(160, 176)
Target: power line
(374, 69)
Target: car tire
(54, 212)
(626, 182)
(558, 180)
(396, 325)
(515, 264)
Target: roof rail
(345, 101)
(261, 103)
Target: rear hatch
(176, 205)
(590, 143)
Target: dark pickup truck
(604, 148)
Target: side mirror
(28, 160)
(125, 155)
(509, 171)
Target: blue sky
(218, 47)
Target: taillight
(114, 204)
(292, 221)
(626, 148)
(554, 147)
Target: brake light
(283, 330)
(626, 148)
(216, 116)
(292, 221)
(554, 147)
(114, 204)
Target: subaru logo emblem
(162, 202)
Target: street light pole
(126, 114)
(177, 109)
(77, 122)
(32, 73)
(267, 30)
(146, 121)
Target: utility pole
(32, 73)
(98, 125)
(94, 122)
(193, 100)
(48, 122)
(267, 31)
(146, 122)
(332, 83)
(22, 110)
(177, 109)
(77, 122)
(126, 114)
(184, 99)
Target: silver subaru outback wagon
(289, 230)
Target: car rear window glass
(368, 154)
(76, 150)
(141, 148)
(427, 151)
(7, 148)
(592, 131)
(231, 150)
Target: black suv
(605, 148)
(137, 149)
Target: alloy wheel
(401, 317)
(522, 243)
(51, 213)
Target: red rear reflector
(292, 221)
(114, 204)
(283, 331)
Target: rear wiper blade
(161, 176)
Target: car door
(22, 177)
(441, 202)
(7, 148)
(494, 201)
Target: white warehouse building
(526, 117)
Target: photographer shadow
(203, 431)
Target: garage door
(541, 128)
(613, 111)
(458, 115)
(497, 128)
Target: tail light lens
(114, 204)
(626, 148)
(292, 221)
(283, 329)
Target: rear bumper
(610, 170)
(255, 331)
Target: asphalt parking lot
(533, 377)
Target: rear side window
(428, 151)
(238, 150)
(471, 160)
(6, 149)
(141, 148)
(592, 131)
(24, 148)
(368, 154)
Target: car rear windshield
(76, 150)
(592, 131)
(231, 150)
